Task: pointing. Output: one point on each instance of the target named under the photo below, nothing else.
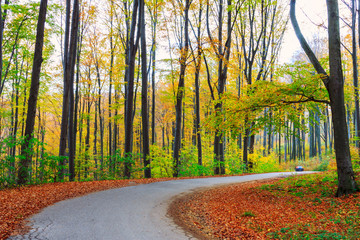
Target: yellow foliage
(263, 163)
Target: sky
(316, 11)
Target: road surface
(130, 213)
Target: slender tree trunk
(26, 148)
(101, 124)
(75, 117)
(69, 63)
(2, 26)
(144, 95)
(355, 74)
(115, 137)
(95, 141)
(197, 89)
(112, 55)
(246, 144)
(180, 92)
(279, 153)
(87, 139)
(270, 134)
(130, 76)
(153, 71)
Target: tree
(198, 62)
(222, 52)
(144, 95)
(355, 73)
(2, 25)
(131, 50)
(334, 83)
(184, 49)
(70, 51)
(26, 148)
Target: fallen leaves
(246, 211)
(17, 204)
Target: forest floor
(301, 207)
(255, 210)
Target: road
(130, 213)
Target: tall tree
(70, 51)
(198, 62)
(355, 73)
(334, 83)
(222, 50)
(111, 71)
(26, 148)
(184, 49)
(2, 26)
(144, 95)
(131, 50)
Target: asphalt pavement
(130, 213)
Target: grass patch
(334, 218)
(302, 231)
(248, 214)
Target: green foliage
(299, 90)
(43, 169)
(188, 160)
(48, 168)
(262, 164)
(302, 231)
(323, 166)
(189, 166)
(161, 162)
(248, 214)
(233, 159)
(300, 185)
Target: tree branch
(315, 62)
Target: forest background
(133, 89)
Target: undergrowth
(319, 190)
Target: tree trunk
(112, 55)
(69, 64)
(355, 75)
(334, 83)
(101, 122)
(26, 148)
(130, 77)
(197, 90)
(153, 69)
(180, 92)
(144, 95)
(2, 26)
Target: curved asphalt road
(130, 213)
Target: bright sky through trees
(310, 13)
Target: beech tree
(334, 83)
(144, 95)
(26, 148)
(70, 51)
(131, 50)
(184, 49)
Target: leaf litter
(270, 209)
